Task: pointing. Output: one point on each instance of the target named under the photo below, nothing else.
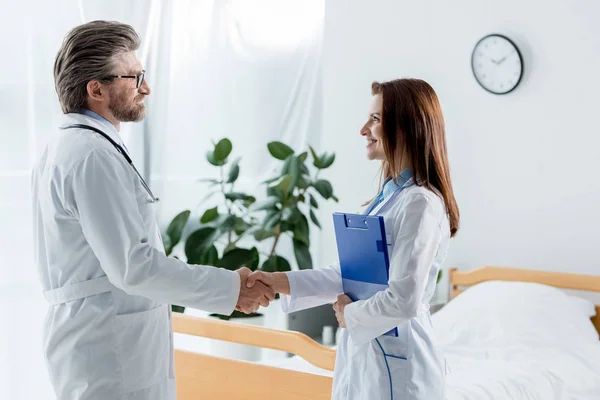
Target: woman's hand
(278, 281)
(338, 306)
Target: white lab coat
(99, 253)
(369, 365)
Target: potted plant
(242, 232)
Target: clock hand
(504, 58)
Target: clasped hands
(258, 288)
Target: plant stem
(226, 203)
(277, 235)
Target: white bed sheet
(521, 353)
(517, 373)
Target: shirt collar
(87, 117)
(391, 185)
(98, 117)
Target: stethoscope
(153, 199)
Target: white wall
(525, 165)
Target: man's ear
(96, 90)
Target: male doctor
(97, 245)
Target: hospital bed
(514, 336)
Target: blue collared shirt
(390, 186)
(104, 121)
(98, 117)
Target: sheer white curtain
(247, 70)
(30, 35)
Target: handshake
(258, 288)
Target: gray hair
(88, 53)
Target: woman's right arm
(303, 289)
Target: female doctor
(405, 130)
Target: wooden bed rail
(289, 341)
(202, 376)
(563, 280)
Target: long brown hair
(412, 118)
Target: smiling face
(372, 131)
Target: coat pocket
(394, 364)
(144, 347)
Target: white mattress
(532, 344)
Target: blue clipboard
(363, 253)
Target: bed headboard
(460, 279)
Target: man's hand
(278, 281)
(338, 306)
(251, 298)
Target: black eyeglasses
(139, 79)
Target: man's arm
(104, 202)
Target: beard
(125, 110)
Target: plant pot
(219, 348)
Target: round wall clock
(497, 64)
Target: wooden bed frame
(202, 376)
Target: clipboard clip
(356, 222)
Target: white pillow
(500, 314)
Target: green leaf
(166, 239)
(249, 200)
(276, 264)
(239, 226)
(302, 157)
(176, 227)
(269, 181)
(303, 183)
(334, 198)
(304, 169)
(327, 160)
(238, 258)
(284, 183)
(314, 219)
(317, 161)
(225, 223)
(222, 150)
(210, 257)
(209, 215)
(324, 188)
(268, 203)
(272, 221)
(302, 254)
(439, 276)
(291, 168)
(286, 227)
(291, 214)
(301, 230)
(233, 196)
(198, 246)
(262, 234)
(234, 172)
(210, 157)
(313, 202)
(279, 150)
(275, 191)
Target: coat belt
(78, 290)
